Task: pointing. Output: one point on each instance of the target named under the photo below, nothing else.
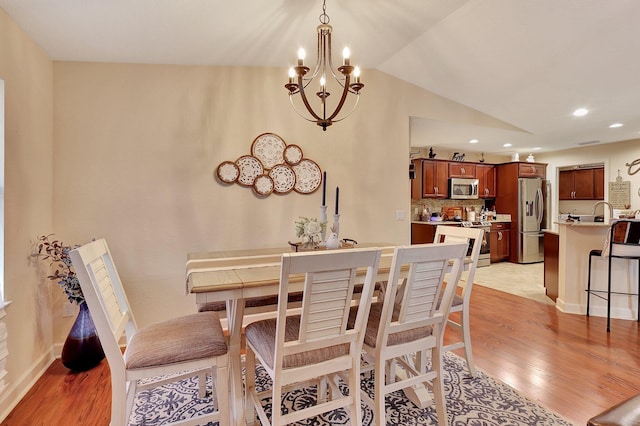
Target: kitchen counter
(452, 222)
(576, 240)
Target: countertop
(452, 222)
(585, 224)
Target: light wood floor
(567, 363)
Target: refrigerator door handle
(539, 206)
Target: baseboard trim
(14, 392)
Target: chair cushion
(371, 332)
(181, 339)
(262, 337)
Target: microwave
(463, 189)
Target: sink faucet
(603, 202)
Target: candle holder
(323, 220)
(336, 224)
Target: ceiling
(527, 63)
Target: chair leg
(250, 386)
(222, 389)
(202, 383)
(379, 392)
(466, 338)
(438, 386)
(119, 398)
(354, 392)
(131, 393)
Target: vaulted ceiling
(529, 63)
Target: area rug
(480, 401)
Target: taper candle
(324, 188)
(337, 198)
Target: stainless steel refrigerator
(531, 209)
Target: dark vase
(82, 350)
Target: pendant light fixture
(347, 76)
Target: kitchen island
(575, 241)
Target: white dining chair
(399, 334)
(460, 303)
(192, 345)
(317, 344)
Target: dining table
(233, 276)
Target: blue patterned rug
(480, 401)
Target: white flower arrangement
(310, 230)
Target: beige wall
(137, 147)
(27, 73)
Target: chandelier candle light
(298, 81)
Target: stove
(484, 259)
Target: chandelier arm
(293, 105)
(306, 101)
(350, 112)
(345, 92)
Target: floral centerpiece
(58, 254)
(310, 230)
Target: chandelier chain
(324, 18)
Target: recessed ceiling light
(537, 148)
(473, 141)
(580, 112)
(506, 145)
(614, 125)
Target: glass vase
(82, 349)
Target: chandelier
(347, 76)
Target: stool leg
(609, 297)
(589, 284)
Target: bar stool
(623, 243)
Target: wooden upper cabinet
(431, 180)
(532, 170)
(462, 170)
(581, 184)
(598, 183)
(486, 175)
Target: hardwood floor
(567, 363)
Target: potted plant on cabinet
(82, 349)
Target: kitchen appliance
(530, 214)
(463, 189)
(484, 258)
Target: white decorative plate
(269, 149)
(263, 185)
(292, 154)
(284, 178)
(308, 176)
(250, 167)
(228, 172)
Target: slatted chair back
(110, 309)
(328, 289)
(461, 304)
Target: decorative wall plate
(250, 168)
(228, 172)
(308, 176)
(284, 178)
(263, 185)
(292, 154)
(269, 149)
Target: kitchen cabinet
(598, 183)
(422, 233)
(486, 175)
(499, 237)
(532, 170)
(462, 170)
(432, 179)
(581, 184)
